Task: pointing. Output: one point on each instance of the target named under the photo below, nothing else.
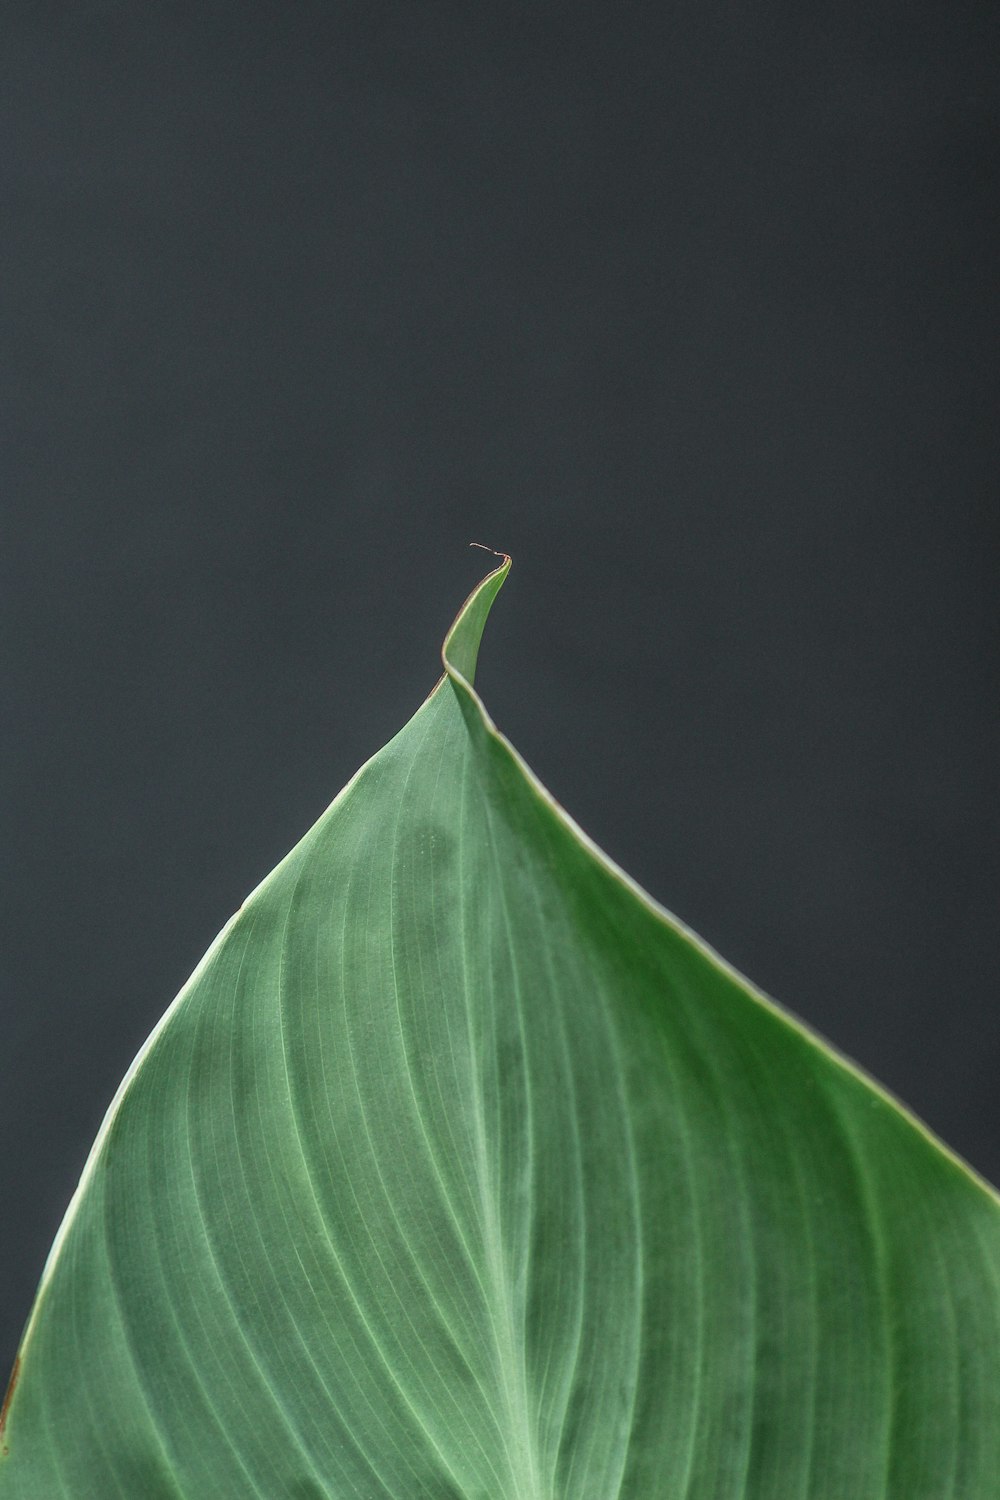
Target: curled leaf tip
(461, 645)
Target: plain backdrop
(689, 306)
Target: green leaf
(462, 1170)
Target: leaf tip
(461, 645)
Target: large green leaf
(461, 1169)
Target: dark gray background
(689, 306)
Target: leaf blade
(460, 1168)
